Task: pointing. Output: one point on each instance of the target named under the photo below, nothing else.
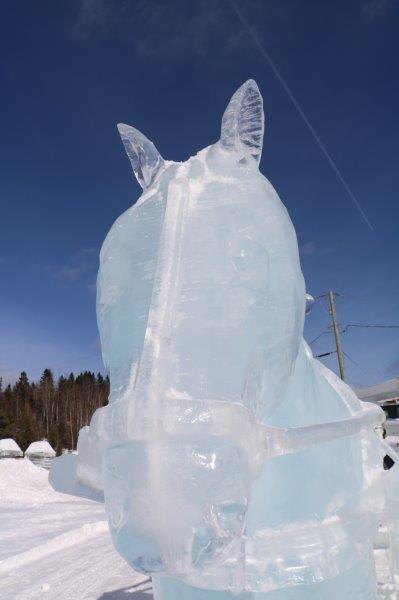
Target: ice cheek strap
(185, 417)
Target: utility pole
(340, 354)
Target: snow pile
(55, 543)
(23, 483)
(9, 448)
(41, 448)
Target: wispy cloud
(98, 16)
(377, 8)
(311, 248)
(35, 350)
(308, 248)
(83, 263)
(157, 28)
(92, 286)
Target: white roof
(43, 448)
(386, 390)
(9, 445)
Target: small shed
(10, 449)
(386, 395)
(40, 453)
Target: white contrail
(290, 94)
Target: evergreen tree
(47, 395)
(6, 425)
(22, 393)
(57, 411)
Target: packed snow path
(57, 546)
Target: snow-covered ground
(388, 589)
(56, 546)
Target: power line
(327, 294)
(255, 38)
(319, 336)
(337, 331)
(325, 354)
(322, 306)
(369, 326)
(355, 363)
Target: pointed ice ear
(243, 121)
(144, 157)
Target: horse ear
(243, 121)
(144, 157)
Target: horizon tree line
(55, 410)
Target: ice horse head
(210, 254)
(233, 459)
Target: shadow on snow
(131, 592)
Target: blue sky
(70, 70)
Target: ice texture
(234, 464)
(144, 157)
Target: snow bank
(9, 448)
(54, 543)
(41, 448)
(61, 542)
(22, 482)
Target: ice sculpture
(235, 465)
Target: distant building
(40, 453)
(10, 449)
(386, 395)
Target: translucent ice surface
(234, 464)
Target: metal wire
(319, 336)
(369, 326)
